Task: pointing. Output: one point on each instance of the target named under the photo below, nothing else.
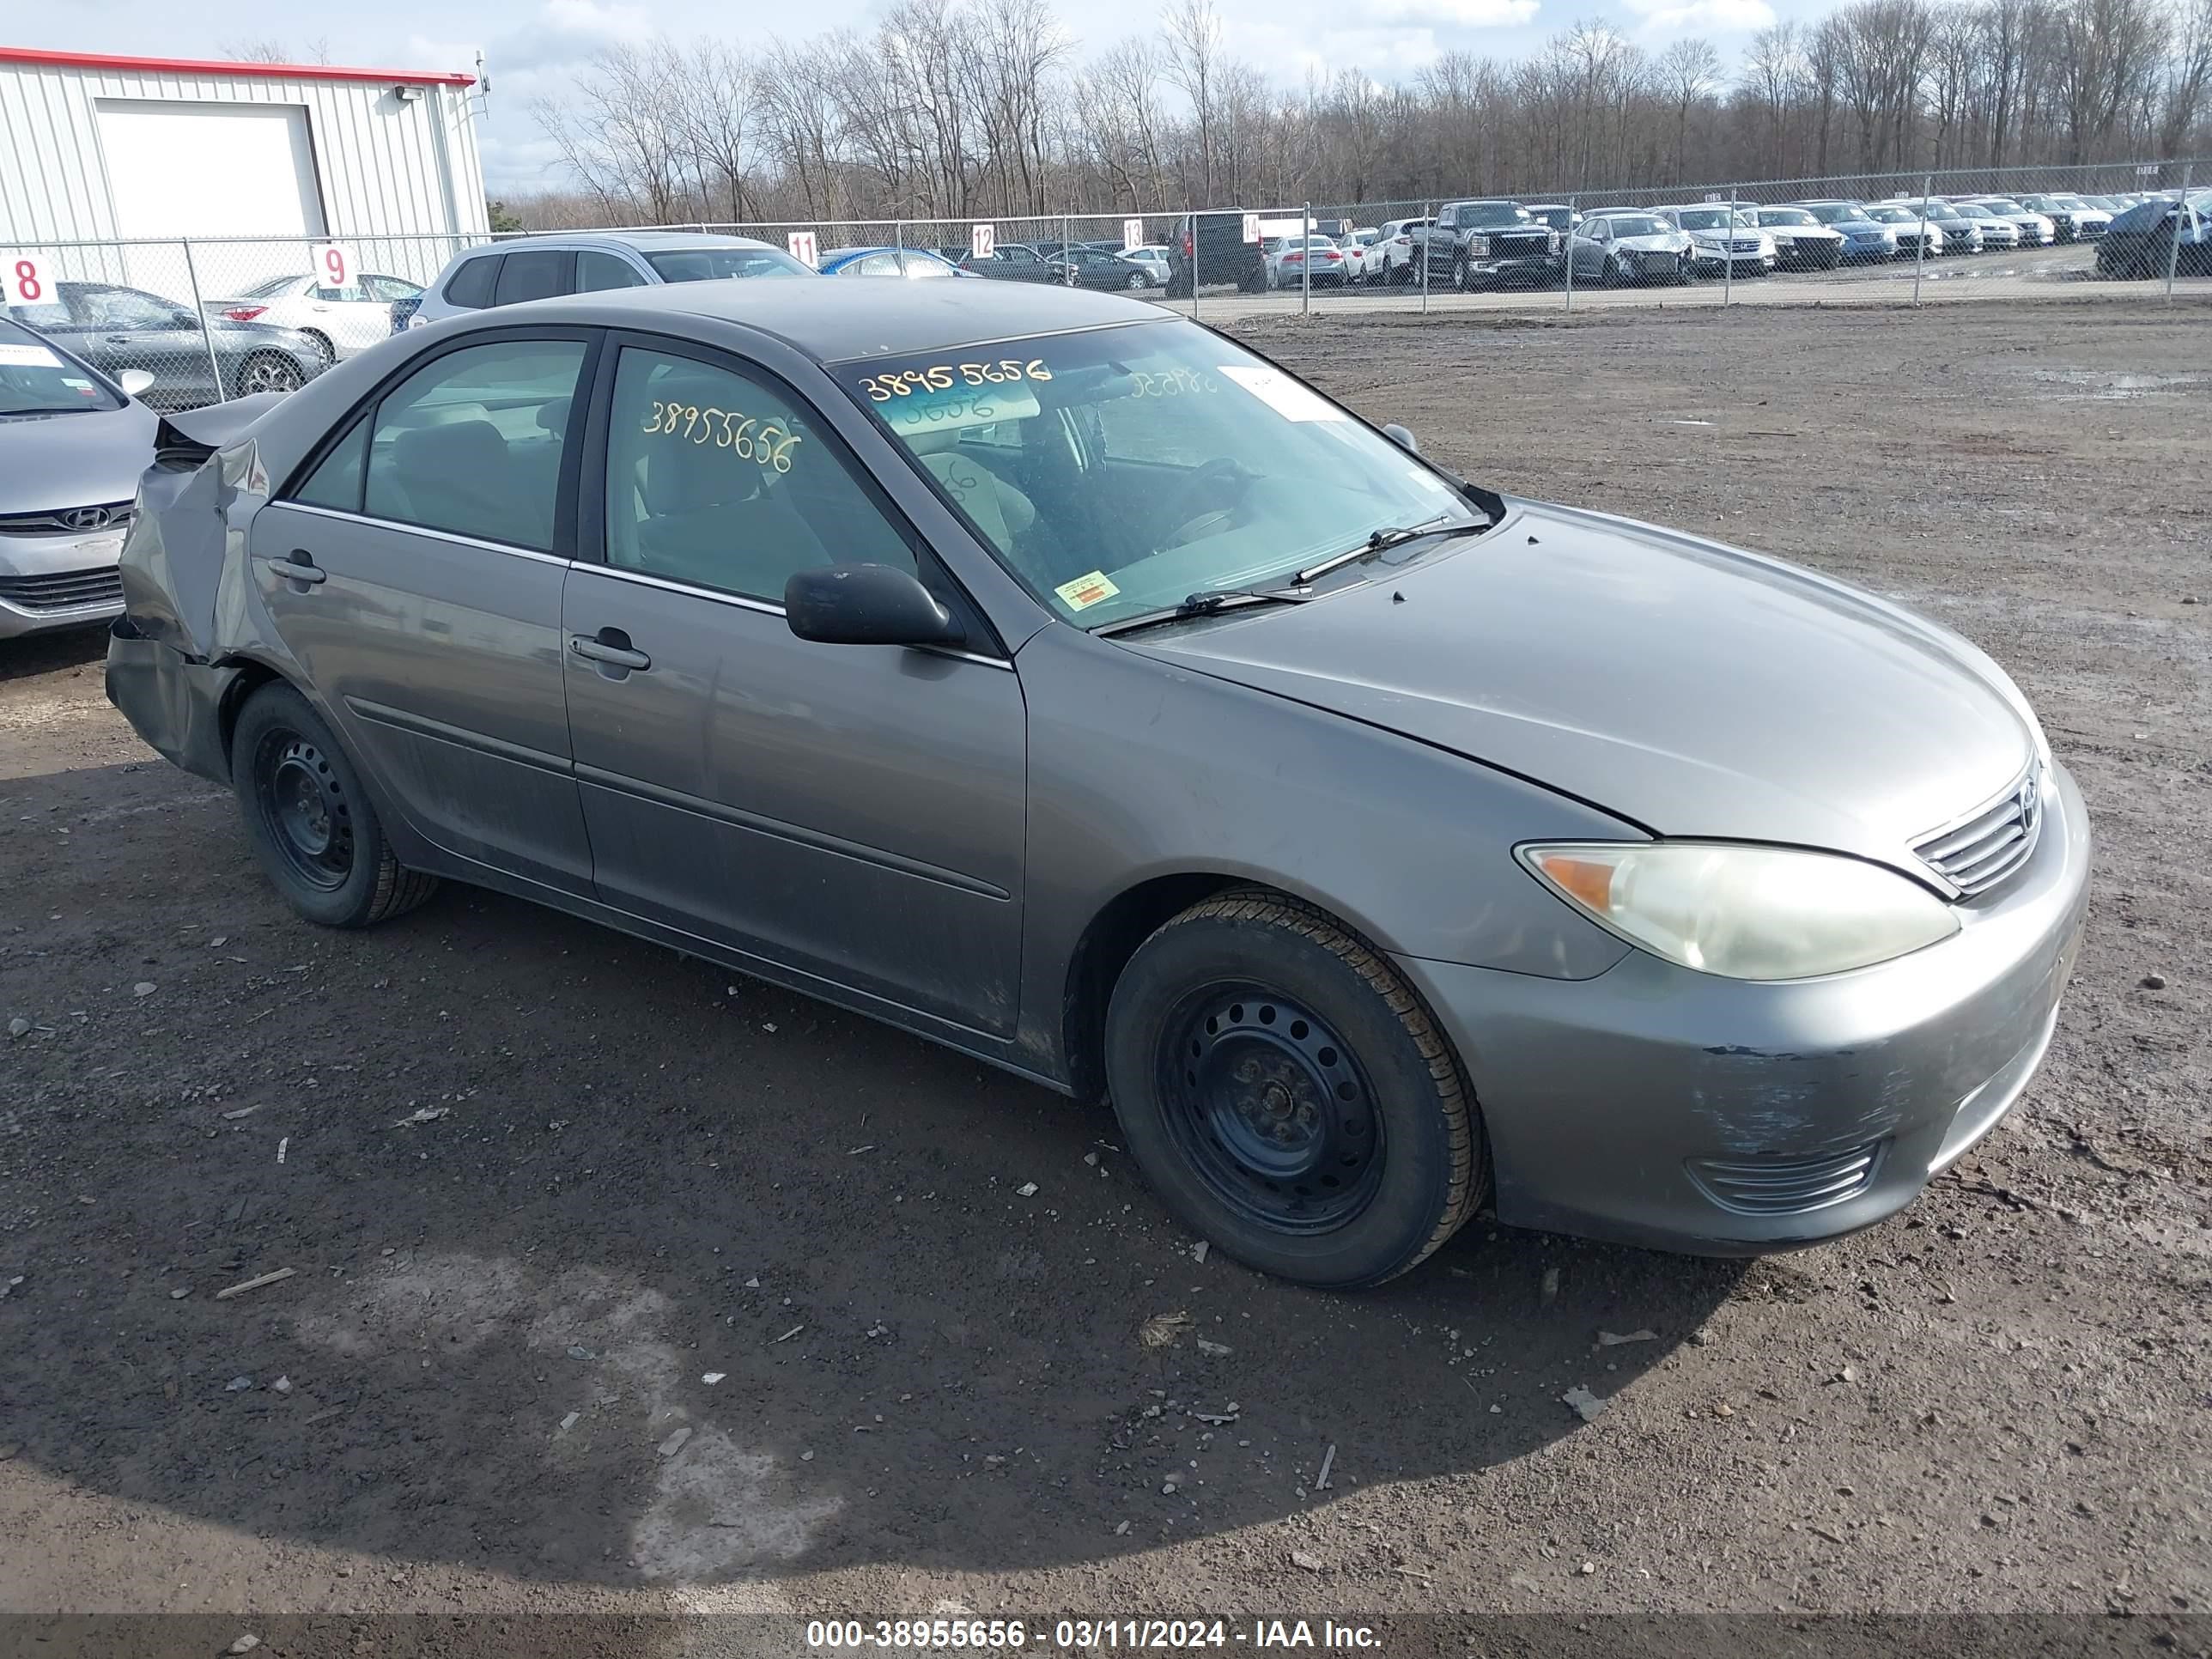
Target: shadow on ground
(535, 1183)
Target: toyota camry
(1053, 678)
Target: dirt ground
(551, 1198)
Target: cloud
(1703, 16)
(1459, 14)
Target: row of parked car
(1488, 243)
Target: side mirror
(1402, 437)
(134, 382)
(866, 605)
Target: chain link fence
(205, 321)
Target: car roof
(834, 322)
(644, 241)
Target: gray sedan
(72, 445)
(119, 329)
(1058, 680)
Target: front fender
(1139, 770)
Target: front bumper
(49, 582)
(1658, 1106)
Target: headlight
(1478, 246)
(1757, 913)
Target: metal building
(147, 151)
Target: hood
(1671, 242)
(1690, 688)
(87, 458)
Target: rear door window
(538, 273)
(471, 285)
(470, 443)
(597, 271)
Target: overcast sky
(535, 47)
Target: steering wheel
(1221, 480)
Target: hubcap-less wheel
(269, 374)
(303, 803)
(1273, 1112)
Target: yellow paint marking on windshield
(1086, 591)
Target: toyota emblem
(87, 518)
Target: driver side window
(723, 480)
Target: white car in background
(339, 321)
(1153, 256)
(1396, 239)
(1364, 259)
(1997, 230)
(2036, 229)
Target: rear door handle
(299, 566)
(611, 647)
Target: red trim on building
(97, 60)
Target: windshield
(1485, 214)
(36, 379)
(1117, 471)
(2003, 208)
(1713, 219)
(1831, 215)
(269, 290)
(703, 264)
(1639, 224)
(1786, 217)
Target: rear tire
(308, 820)
(322, 343)
(1287, 1094)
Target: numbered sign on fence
(1251, 227)
(981, 239)
(334, 265)
(1715, 196)
(1132, 233)
(803, 249)
(24, 280)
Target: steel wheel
(303, 805)
(1274, 1111)
(266, 372)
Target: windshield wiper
(1382, 540)
(1205, 602)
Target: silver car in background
(548, 267)
(1629, 248)
(1724, 243)
(2036, 229)
(1058, 680)
(72, 445)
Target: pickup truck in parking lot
(1472, 245)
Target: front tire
(1287, 1094)
(308, 820)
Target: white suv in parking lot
(541, 267)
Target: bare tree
(1690, 71)
(618, 134)
(1191, 33)
(273, 51)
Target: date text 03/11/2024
(941, 1634)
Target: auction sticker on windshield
(1283, 394)
(1086, 591)
(27, 356)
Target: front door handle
(298, 565)
(611, 648)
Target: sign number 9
(334, 265)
